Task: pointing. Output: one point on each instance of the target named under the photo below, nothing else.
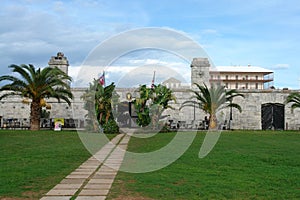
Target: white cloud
(137, 73)
(281, 67)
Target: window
(246, 77)
(226, 85)
(219, 77)
(246, 85)
(256, 77)
(236, 77)
(256, 85)
(236, 85)
(226, 77)
(211, 77)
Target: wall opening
(272, 116)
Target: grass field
(243, 165)
(31, 163)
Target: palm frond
(293, 98)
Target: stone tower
(200, 71)
(59, 61)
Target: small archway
(272, 116)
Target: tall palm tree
(103, 97)
(99, 103)
(293, 98)
(37, 85)
(213, 99)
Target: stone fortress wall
(250, 118)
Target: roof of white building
(243, 69)
(171, 80)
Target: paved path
(92, 179)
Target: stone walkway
(92, 179)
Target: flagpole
(104, 78)
(153, 79)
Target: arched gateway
(272, 116)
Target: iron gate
(272, 116)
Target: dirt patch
(180, 182)
(30, 195)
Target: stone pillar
(59, 61)
(200, 71)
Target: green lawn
(31, 163)
(243, 165)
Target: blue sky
(232, 32)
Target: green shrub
(111, 127)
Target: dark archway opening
(272, 116)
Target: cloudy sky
(231, 32)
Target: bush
(111, 127)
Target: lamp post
(194, 111)
(129, 98)
(230, 116)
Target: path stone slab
(110, 181)
(78, 176)
(84, 170)
(67, 192)
(67, 186)
(81, 173)
(106, 173)
(56, 198)
(85, 192)
(106, 168)
(98, 186)
(73, 180)
(104, 176)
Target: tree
(141, 107)
(213, 99)
(293, 98)
(37, 85)
(151, 104)
(99, 102)
(161, 97)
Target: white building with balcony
(242, 77)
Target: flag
(102, 79)
(153, 79)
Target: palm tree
(293, 98)
(103, 97)
(161, 96)
(99, 103)
(37, 85)
(141, 107)
(213, 99)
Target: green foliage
(141, 107)
(213, 99)
(293, 98)
(111, 127)
(99, 102)
(45, 114)
(151, 103)
(37, 85)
